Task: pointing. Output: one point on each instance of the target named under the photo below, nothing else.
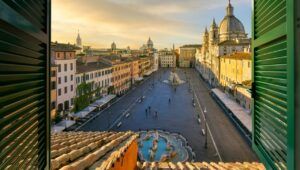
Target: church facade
(220, 40)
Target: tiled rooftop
(63, 47)
(199, 165)
(191, 46)
(91, 66)
(102, 150)
(95, 150)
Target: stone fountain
(162, 146)
(174, 79)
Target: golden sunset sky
(131, 22)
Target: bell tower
(78, 40)
(213, 33)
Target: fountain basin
(163, 146)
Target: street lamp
(205, 144)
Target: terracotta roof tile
(81, 150)
(199, 165)
(101, 150)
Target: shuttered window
(273, 82)
(24, 84)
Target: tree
(97, 91)
(84, 96)
(111, 89)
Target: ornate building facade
(226, 38)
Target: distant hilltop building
(113, 46)
(227, 38)
(150, 43)
(79, 43)
(149, 46)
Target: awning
(148, 73)
(104, 100)
(139, 79)
(62, 125)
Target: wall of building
(187, 57)
(68, 95)
(167, 59)
(100, 78)
(229, 49)
(121, 77)
(128, 161)
(144, 66)
(134, 70)
(156, 61)
(243, 97)
(234, 71)
(53, 95)
(64, 55)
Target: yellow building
(53, 92)
(235, 69)
(134, 70)
(144, 66)
(235, 77)
(121, 73)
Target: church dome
(113, 46)
(230, 26)
(149, 42)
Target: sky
(132, 22)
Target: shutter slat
(268, 15)
(272, 82)
(15, 78)
(15, 97)
(24, 84)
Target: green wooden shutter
(273, 82)
(24, 84)
(297, 86)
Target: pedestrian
(149, 108)
(169, 100)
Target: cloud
(129, 22)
